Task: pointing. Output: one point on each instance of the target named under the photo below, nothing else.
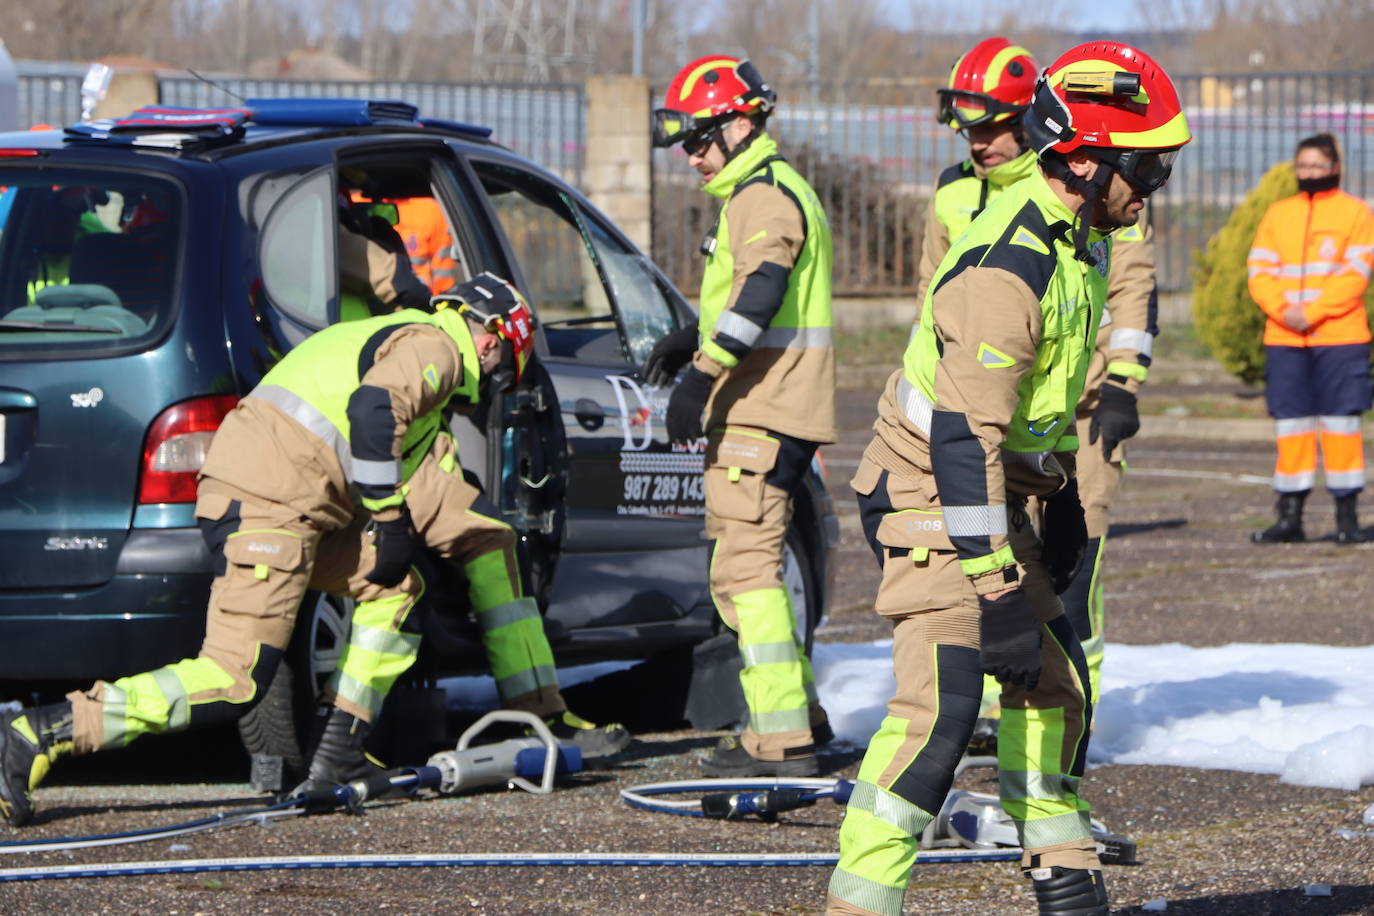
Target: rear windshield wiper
(40, 326)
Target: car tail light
(17, 153)
(176, 446)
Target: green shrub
(1226, 318)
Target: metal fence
(544, 122)
(873, 153)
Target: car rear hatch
(89, 272)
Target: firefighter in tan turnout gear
(988, 92)
(762, 372)
(324, 477)
(979, 419)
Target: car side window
(598, 298)
(644, 309)
(297, 251)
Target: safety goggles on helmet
(961, 109)
(1146, 169)
(500, 309)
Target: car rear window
(88, 260)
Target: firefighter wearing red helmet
(760, 385)
(990, 88)
(980, 419)
(324, 477)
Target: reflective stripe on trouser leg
(249, 618)
(378, 650)
(1295, 467)
(773, 678)
(513, 636)
(1041, 750)
(909, 765)
(1342, 454)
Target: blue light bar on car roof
(330, 112)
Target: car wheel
(799, 579)
(279, 724)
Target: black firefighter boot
(336, 751)
(30, 740)
(1348, 520)
(1288, 529)
(1069, 891)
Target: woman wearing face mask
(1309, 267)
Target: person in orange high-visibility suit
(428, 242)
(1309, 266)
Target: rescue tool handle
(545, 786)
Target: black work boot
(30, 740)
(1069, 891)
(729, 760)
(335, 751)
(596, 742)
(1348, 520)
(1288, 529)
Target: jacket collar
(1008, 173)
(741, 167)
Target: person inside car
(325, 476)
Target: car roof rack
(185, 129)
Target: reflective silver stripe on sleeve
(1358, 266)
(915, 405)
(379, 473)
(1263, 254)
(1298, 296)
(974, 521)
(1345, 425)
(305, 413)
(1131, 339)
(738, 327)
(1295, 426)
(796, 338)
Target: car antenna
(209, 82)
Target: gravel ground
(1180, 569)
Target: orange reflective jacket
(1314, 250)
(428, 242)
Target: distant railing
(873, 153)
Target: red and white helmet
(705, 92)
(1115, 100)
(992, 82)
(499, 308)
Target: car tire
(799, 578)
(280, 722)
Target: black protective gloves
(686, 405)
(1064, 539)
(1010, 637)
(394, 547)
(1116, 419)
(669, 355)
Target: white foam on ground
(1304, 713)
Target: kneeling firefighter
(979, 419)
(323, 477)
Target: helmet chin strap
(718, 136)
(1093, 189)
